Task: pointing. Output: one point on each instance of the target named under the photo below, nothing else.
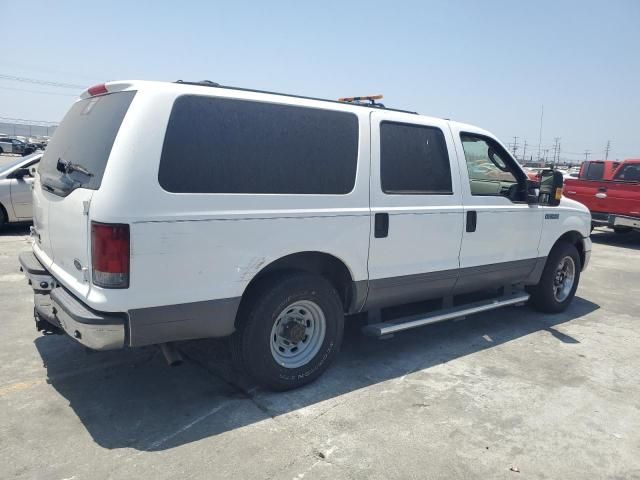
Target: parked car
(613, 203)
(16, 179)
(174, 211)
(13, 145)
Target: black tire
(3, 217)
(1, 151)
(622, 229)
(543, 295)
(251, 344)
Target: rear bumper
(55, 305)
(614, 220)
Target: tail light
(110, 254)
(100, 89)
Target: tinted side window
(220, 145)
(413, 159)
(629, 173)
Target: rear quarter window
(220, 145)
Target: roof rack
(355, 100)
(202, 83)
(360, 100)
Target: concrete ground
(506, 394)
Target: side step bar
(399, 324)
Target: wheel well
(574, 238)
(330, 267)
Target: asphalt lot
(551, 396)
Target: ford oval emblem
(77, 264)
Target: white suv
(174, 211)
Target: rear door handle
(472, 220)
(381, 225)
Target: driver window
(489, 171)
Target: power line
(41, 82)
(24, 120)
(607, 149)
(36, 91)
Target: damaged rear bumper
(56, 306)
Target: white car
(175, 211)
(16, 179)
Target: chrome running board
(387, 328)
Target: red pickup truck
(613, 203)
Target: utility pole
(607, 150)
(586, 155)
(556, 150)
(559, 147)
(514, 147)
(540, 134)
(524, 152)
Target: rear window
(84, 139)
(219, 145)
(595, 171)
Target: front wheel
(559, 280)
(289, 330)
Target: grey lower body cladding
(425, 286)
(212, 318)
(216, 318)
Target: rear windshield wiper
(67, 167)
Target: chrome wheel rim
(297, 334)
(564, 279)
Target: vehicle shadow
(15, 230)
(130, 399)
(629, 240)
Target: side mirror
(533, 193)
(21, 173)
(551, 182)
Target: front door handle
(472, 220)
(381, 225)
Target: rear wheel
(289, 330)
(622, 229)
(559, 280)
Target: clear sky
(490, 63)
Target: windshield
(82, 143)
(28, 160)
(11, 165)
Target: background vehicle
(613, 203)
(14, 145)
(275, 216)
(16, 179)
